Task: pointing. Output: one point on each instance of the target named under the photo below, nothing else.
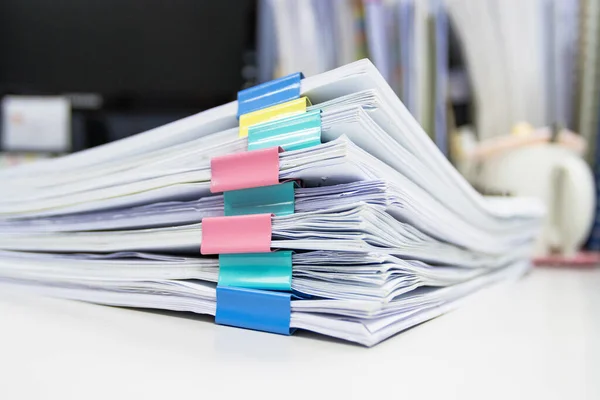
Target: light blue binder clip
(292, 133)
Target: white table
(536, 339)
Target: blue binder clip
(254, 309)
(269, 93)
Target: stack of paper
(382, 234)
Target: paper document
(373, 231)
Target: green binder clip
(275, 199)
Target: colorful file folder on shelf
(310, 203)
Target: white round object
(558, 177)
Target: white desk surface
(534, 339)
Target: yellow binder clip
(278, 111)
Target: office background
(469, 72)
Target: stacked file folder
(315, 203)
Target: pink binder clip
(236, 234)
(245, 170)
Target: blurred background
(507, 89)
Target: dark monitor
(135, 53)
(148, 61)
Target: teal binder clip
(292, 133)
(275, 199)
(269, 271)
(254, 309)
